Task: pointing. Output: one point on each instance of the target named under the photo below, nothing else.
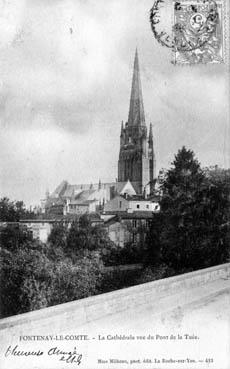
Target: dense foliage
(35, 275)
(13, 237)
(12, 211)
(130, 253)
(80, 238)
(192, 230)
(33, 280)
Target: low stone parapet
(96, 307)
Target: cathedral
(136, 158)
(136, 165)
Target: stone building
(80, 207)
(130, 205)
(80, 199)
(127, 227)
(136, 158)
(40, 228)
(136, 166)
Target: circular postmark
(193, 26)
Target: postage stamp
(198, 31)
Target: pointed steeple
(136, 108)
(122, 127)
(150, 133)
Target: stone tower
(136, 158)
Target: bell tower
(136, 162)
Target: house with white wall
(121, 203)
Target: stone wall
(96, 307)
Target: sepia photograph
(114, 184)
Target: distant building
(128, 227)
(54, 207)
(136, 167)
(80, 207)
(40, 228)
(81, 199)
(137, 158)
(128, 218)
(120, 203)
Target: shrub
(150, 274)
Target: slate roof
(69, 192)
(66, 190)
(81, 202)
(54, 201)
(119, 215)
(59, 191)
(120, 185)
(83, 195)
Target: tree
(25, 279)
(58, 235)
(83, 235)
(185, 176)
(13, 236)
(8, 212)
(152, 255)
(75, 280)
(193, 209)
(11, 211)
(31, 280)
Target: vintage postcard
(115, 184)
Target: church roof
(81, 202)
(59, 191)
(66, 190)
(83, 195)
(52, 201)
(136, 108)
(120, 186)
(69, 191)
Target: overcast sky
(65, 80)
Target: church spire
(136, 108)
(122, 127)
(151, 133)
